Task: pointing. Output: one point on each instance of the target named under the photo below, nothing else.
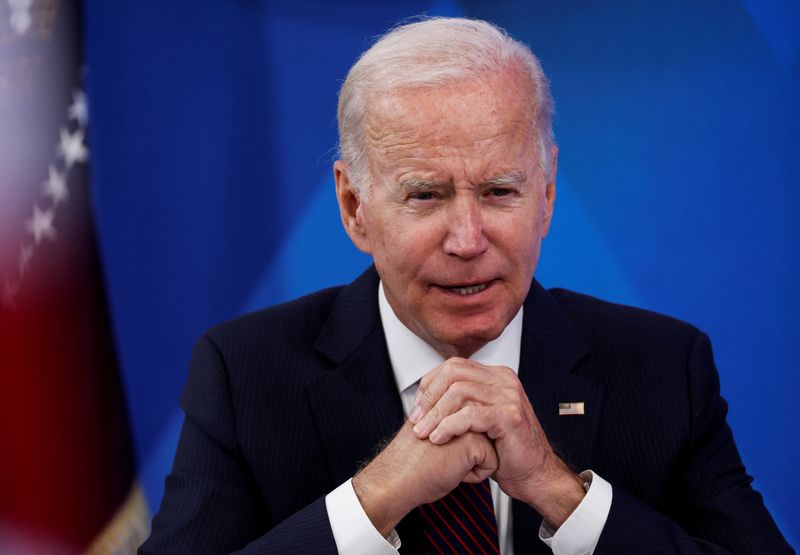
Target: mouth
(469, 289)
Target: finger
(471, 418)
(460, 395)
(457, 395)
(434, 384)
(478, 474)
(494, 421)
(427, 397)
(484, 460)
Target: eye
(423, 195)
(499, 192)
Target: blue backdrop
(213, 130)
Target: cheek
(522, 238)
(400, 247)
(416, 258)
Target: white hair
(433, 52)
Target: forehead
(488, 120)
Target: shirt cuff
(352, 530)
(581, 531)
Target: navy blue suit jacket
(284, 404)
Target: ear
(550, 193)
(351, 207)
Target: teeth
(469, 290)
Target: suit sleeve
(211, 503)
(715, 508)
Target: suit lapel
(356, 405)
(551, 352)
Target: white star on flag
(41, 225)
(20, 19)
(79, 109)
(25, 254)
(56, 186)
(71, 147)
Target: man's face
(457, 208)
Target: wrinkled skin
(454, 219)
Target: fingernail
(415, 414)
(418, 428)
(435, 435)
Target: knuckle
(425, 381)
(459, 391)
(454, 365)
(426, 395)
(465, 414)
(470, 411)
(513, 416)
(448, 369)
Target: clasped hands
(470, 421)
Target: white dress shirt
(411, 359)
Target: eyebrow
(422, 185)
(418, 185)
(511, 178)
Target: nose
(465, 230)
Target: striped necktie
(461, 522)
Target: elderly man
(537, 420)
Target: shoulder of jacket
(599, 316)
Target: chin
(466, 344)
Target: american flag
(66, 465)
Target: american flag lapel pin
(570, 409)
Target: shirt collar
(412, 358)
